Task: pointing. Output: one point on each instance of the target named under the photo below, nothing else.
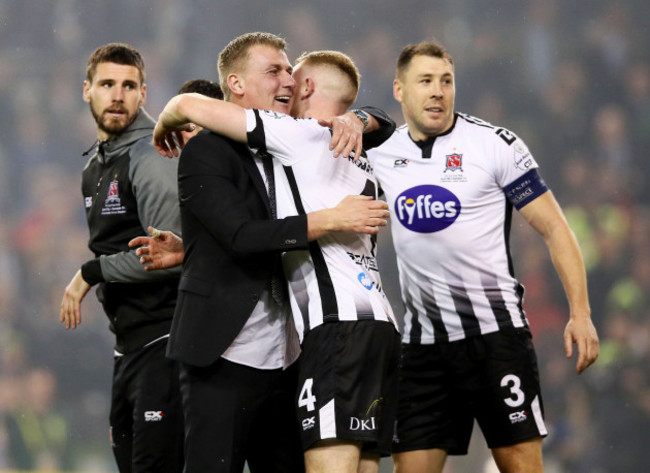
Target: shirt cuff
(91, 271)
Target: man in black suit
(231, 330)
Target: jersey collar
(427, 145)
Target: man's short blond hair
(338, 61)
(233, 57)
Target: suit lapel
(256, 177)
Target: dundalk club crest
(113, 196)
(454, 163)
(112, 204)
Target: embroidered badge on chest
(112, 204)
(453, 171)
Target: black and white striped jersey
(451, 201)
(337, 279)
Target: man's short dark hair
(203, 87)
(425, 48)
(118, 53)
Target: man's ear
(86, 92)
(143, 94)
(236, 84)
(308, 88)
(397, 90)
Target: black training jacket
(128, 186)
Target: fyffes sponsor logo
(427, 208)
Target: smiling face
(115, 96)
(427, 92)
(265, 81)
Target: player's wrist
(582, 315)
(319, 223)
(176, 111)
(331, 222)
(363, 117)
(91, 272)
(178, 258)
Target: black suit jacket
(230, 245)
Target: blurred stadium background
(571, 78)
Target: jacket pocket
(195, 286)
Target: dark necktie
(278, 289)
(270, 182)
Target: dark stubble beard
(112, 127)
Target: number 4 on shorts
(306, 397)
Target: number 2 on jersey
(306, 397)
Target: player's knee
(524, 457)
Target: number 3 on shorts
(306, 397)
(514, 383)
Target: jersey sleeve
(376, 138)
(286, 138)
(154, 181)
(512, 157)
(517, 171)
(155, 186)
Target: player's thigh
(524, 457)
(420, 461)
(432, 413)
(333, 455)
(157, 414)
(508, 395)
(343, 391)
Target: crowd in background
(572, 79)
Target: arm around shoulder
(216, 115)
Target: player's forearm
(380, 127)
(221, 117)
(320, 223)
(355, 213)
(377, 119)
(122, 267)
(569, 264)
(125, 267)
(546, 217)
(373, 124)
